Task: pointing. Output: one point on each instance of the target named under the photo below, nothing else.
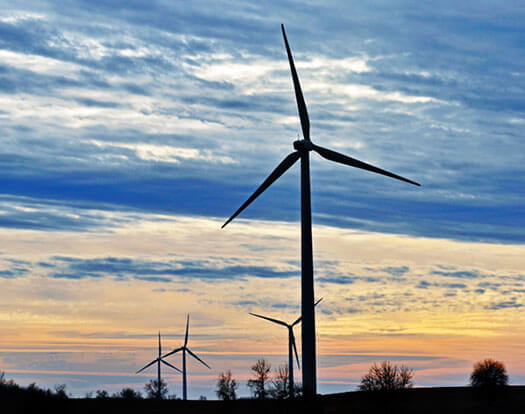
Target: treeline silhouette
(489, 392)
(487, 375)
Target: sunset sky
(131, 130)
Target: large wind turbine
(291, 346)
(302, 151)
(185, 349)
(158, 360)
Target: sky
(131, 130)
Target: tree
(7, 386)
(226, 386)
(257, 385)
(489, 373)
(128, 394)
(101, 394)
(386, 377)
(281, 384)
(60, 391)
(153, 391)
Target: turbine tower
(302, 151)
(158, 360)
(185, 349)
(291, 346)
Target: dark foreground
(418, 400)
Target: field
(418, 400)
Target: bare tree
(153, 390)
(226, 386)
(281, 383)
(261, 371)
(386, 377)
(489, 373)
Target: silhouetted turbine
(185, 349)
(291, 346)
(303, 148)
(158, 360)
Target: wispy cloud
(125, 268)
(136, 107)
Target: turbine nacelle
(303, 145)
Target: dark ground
(418, 400)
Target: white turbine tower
(185, 349)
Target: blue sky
(124, 119)
(178, 108)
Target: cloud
(396, 271)
(423, 284)
(391, 270)
(505, 305)
(284, 306)
(340, 280)
(466, 274)
(11, 268)
(245, 303)
(122, 268)
(51, 215)
(155, 82)
(7, 274)
(455, 285)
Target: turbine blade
(270, 319)
(169, 365)
(146, 366)
(187, 327)
(280, 170)
(295, 349)
(172, 352)
(300, 318)
(197, 358)
(301, 106)
(352, 162)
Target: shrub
(489, 374)
(386, 377)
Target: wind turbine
(302, 151)
(158, 360)
(291, 344)
(185, 349)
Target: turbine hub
(303, 145)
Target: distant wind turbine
(185, 349)
(158, 360)
(291, 346)
(302, 151)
